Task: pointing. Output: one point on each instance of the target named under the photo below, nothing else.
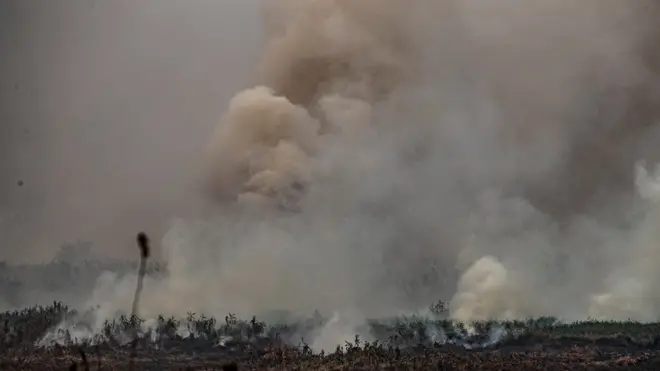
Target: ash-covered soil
(55, 338)
(530, 353)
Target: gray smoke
(389, 155)
(103, 106)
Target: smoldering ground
(390, 155)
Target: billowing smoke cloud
(392, 154)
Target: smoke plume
(392, 153)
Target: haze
(104, 106)
(362, 158)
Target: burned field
(366, 156)
(57, 337)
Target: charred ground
(55, 336)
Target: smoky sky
(486, 152)
(103, 109)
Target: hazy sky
(105, 105)
(482, 151)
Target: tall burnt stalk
(143, 245)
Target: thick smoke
(390, 155)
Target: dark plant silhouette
(143, 245)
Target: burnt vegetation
(52, 336)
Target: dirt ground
(618, 353)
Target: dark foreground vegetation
(55, 337)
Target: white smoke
(382, 149)
(339, 330)
(631, 287)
